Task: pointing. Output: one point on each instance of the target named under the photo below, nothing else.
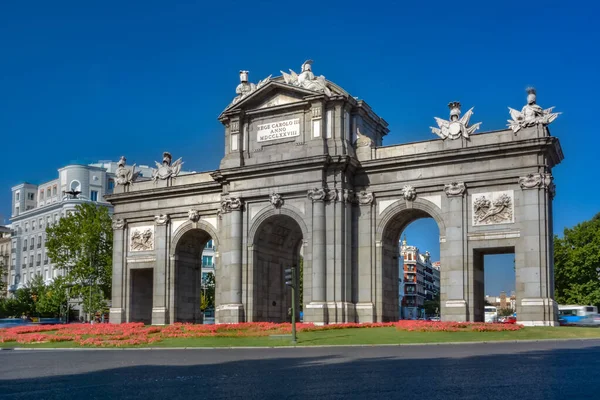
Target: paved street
(548, 370)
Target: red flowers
(135, 334)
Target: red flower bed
(134, 334)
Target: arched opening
(188, 283)
(410, 276)
(276, 247)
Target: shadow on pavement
(349, 373)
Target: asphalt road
(543, 370)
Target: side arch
(419, 207)
(188, 226)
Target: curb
(334, 346)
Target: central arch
(186, 273)
(394, 220)
(277, 243)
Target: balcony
(25, 248)
(30, 265)
(38, 263)
(31, 247)
(46, 261)
(39, 245)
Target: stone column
(231, 309)
(365, 307)
(454, 275)
(534, 259)
(159, 294)
(117, 311)
(316, 310)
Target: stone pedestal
(229, 314)
(537, 312)
(116, 316)
(365, 312)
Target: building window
(54, 190)
(111, 184)
(30, 196)
(209, 244)
(39, 242)
(55, 218)
(17, 196)
(33, 225)
(17, 210)
(48, 221)
(42, 194)
(94, 195)
(207, 261)
(48, 192)
(24, 244)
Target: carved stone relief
(493, 208)
(276, 200)
(409, 193)
(231, 204)
(118, 224)
(364, 198)
(317, 194)
(141, 238)
(161, 219)
(194, 215)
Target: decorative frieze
(455, 189)
(276, 200)
(141, 238)
(231, 204)
(193, 215)
(118, 224)
(493, 208)
(161, 219)
(409, 193)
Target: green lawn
(362, 336)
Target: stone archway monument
(305, 173)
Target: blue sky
(96, 80)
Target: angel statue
(306, 79)
(125, 176)
(166, 170)
(455, 127)
(531, 114)
(245, 88)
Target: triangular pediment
(272, 94)
(280, 99)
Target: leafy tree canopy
(81, 246)
(577, 264)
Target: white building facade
(35, 207)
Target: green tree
(577, 264)
(505, 312)
(432, 307)
(207, 297)
(81, 246)
(3, 273)
(53, 300)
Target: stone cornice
(547, 145)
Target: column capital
(364, 198)
(118, 224)
(161, 219)
(231, 204)
(317, 194)
(455, 189)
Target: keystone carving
(193, 215)
(276, 200)
(455, 189)
(409, 193)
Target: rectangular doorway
(141, 295)
(493, 283)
